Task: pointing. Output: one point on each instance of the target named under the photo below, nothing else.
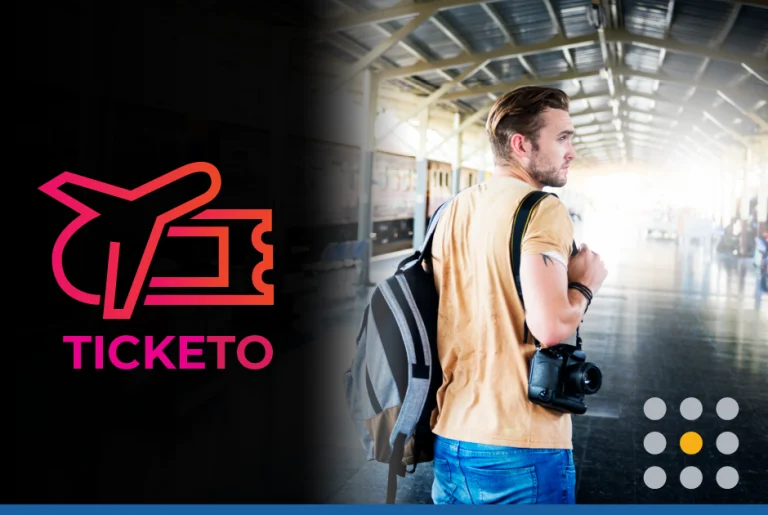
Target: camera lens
(585, 378)
(593, 379)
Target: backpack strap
(425, 250)
(519, 226)
(395, 467)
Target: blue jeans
(471, 473)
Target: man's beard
(546, 174)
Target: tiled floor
(668, 323)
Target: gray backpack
(392, 383)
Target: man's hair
(519, 111)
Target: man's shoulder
(550, 230)
(552, 210)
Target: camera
(560, 377)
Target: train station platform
(671, 323)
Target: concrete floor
(668, 323)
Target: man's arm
(553, 312)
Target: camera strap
(519, 226)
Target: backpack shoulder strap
(395, 467)
(519, 226)
(426, 246)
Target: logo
(691, 443)
(262, 218)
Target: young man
(492, 444)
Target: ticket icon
(218, 228)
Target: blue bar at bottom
(221, 509)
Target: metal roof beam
(591, 112)
(648, 138)
(628, 132)
(432, 98)
(755, 3)
(719, 144)
(446, 28)
(755, 66)
(508, 86)
(407, 44)
(553, 17)
(699, 146)
(668, 19)
(402, 10)
(647, 96)
(667, 26)
(749, 114)
(464, 124)
(691, 126)
(588, 96)
(600, 133)
(718, 41)
(637, 111)
(382, 47)
(494, 15)
(559, 28)
(354, 48)
(505, 52)
(697, 77)
(735, 135)
(607, 144)
(675, 80)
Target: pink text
(154, 351)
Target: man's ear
(518, 145)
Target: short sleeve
(550, 231)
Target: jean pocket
(503, 485)
(443, 487)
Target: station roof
(646, 77)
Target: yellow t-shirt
(484, 395)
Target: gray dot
(727, 443)
(654, 408)
(655, 477)
(727, 477)
(655, 443)
(691, 477)
(691, 408)
(727, 408)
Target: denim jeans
(471, 473)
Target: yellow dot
(691, 442)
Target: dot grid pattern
(691, 443)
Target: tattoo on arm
(546, 259)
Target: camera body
(560, 377)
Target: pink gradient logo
(263, 218)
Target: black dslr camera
(560, 377)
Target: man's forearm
(566, 320)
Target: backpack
(391, 385)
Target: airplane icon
(87, 214)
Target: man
(492, 444)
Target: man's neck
(517, 171)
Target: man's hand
(588, 269)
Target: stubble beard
(544, 173)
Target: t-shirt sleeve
(550, 231)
